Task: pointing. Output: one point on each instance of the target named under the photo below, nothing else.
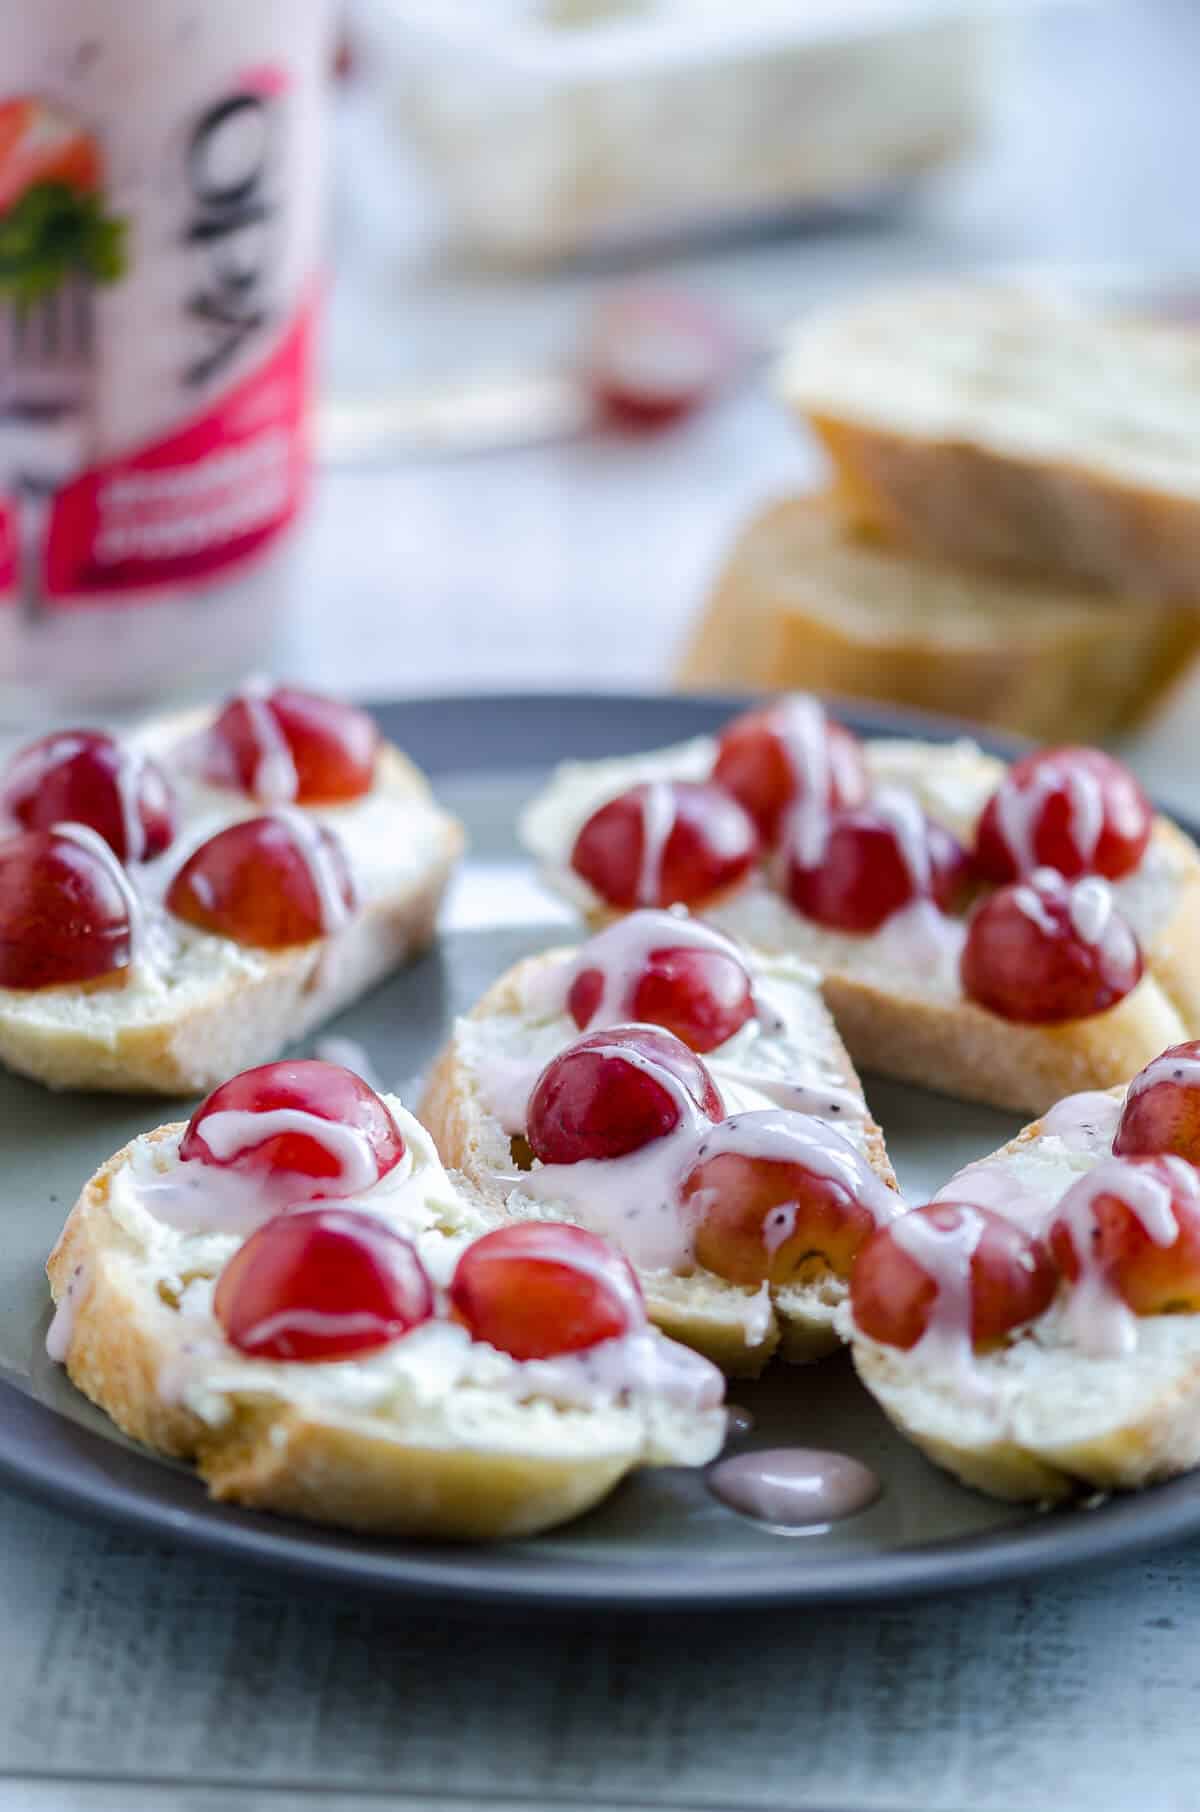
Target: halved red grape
(702, 996)
(321, 1284)
(613, 1092)
(653, 356)
(1012, 1278)
(63, 916)
(760, 1219)
(539, 1288)
(316, 1125)
(876, 861)
(665, 842)
(1043, 952)
(289, 745)
(1162, 1108)
(87, 777)
(1076, 810)
(265, 882)
(772, 756)
(1135, 1222)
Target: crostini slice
(422, 1428)
(184, 1003)
(1099, 1388)
(896, 990)
(785, 1057)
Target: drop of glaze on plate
(738, 1422)
(794, 1487)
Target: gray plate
(660, 1540)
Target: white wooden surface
(135, 1679)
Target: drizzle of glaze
(1018, 809)
(820, 1100)
(1087, 1122)
(992, 1184)
(800, 726)
(633, 1200)
(130, 769)
(1092, 908)
(1166, 1068)
(96, 845)
(275, 781)
(945, 1254)
(1095, 1317)
(62, 1325)
(800, 1139)
(315, 852)
(658, 821)
(620, 953)
(794, 1487)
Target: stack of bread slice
(1012, 533)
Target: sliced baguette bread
(992, 425)
(474, 1099)
(434, 1435)
(902, 1012)
(805, 600)
(193, 1008)
(1040, 1419)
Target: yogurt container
(159, 285)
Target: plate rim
(52, 1458)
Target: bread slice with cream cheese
(194, 1007)
(433, 1435)
(1044, 1418)
(474, 1105)
(895, 994)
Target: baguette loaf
(805, 600)
(198, 1007)
(987, 424)
(432, 1435)
(900, 1014)
(1041, 1419)
(514, 1031)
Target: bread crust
(1162, 1441)
(1057, 664)
(241, 1021)
(964, 500)
(474, 1146)
(356, 1472)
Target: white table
(135, 1679)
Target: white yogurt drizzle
(658, 821)
(96, 845)
(800, 724)
(1091, 910)
(311, 846)
(1167, 1068)
(620, 954)
(1087, 1122)
(633, 1200)
(275, 779)
(1095, 1316)
(130, 774)
(1019, 807)
(821, 1100)
(66, 1312)
(945, 1255)
(789, 1138)
(992, 1184)
(197, 1197)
